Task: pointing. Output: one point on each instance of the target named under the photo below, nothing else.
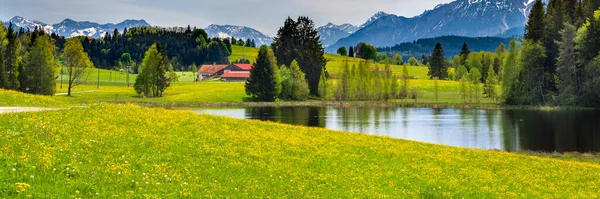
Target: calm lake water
(508, 130)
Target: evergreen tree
(299, 40)
(264, 83)
(510, 71)
(438, 68)
(566, 67)
(351, 52)
(39, 67)
(12, 59)
(529, 86)
(77, 63)
(464, 53)
(534, 30)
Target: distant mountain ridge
(239, 32)
(331, 33)
(452, 46)
(72, 28)
(468, 18)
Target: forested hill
(452, 45)
(183, 46)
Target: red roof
(244, 66)
(211, 69)
(240, 74)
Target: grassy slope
(13, 98)
(103, 151)
(448, 90)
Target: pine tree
(351, 52)
(534, 30)
(299, 40)
(566, 67)
(12, 59)
(529, 86)
(510, 71)
(39, 67)
(464, 53)
(438, 66)
(264, 83)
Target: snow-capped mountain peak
(238, 32)
(374, 18)
(71, 28)
(330, 32)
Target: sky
(264, 15)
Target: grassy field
(13, 98)
(128, 151)
(112, 86)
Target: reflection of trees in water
(490, 119)
(363, 119)
(510, 132)
(306, 116)
(550, 131)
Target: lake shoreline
(484, 106)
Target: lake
(507, 130)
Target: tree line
(183, 47)
(293, 68)
(558, 62)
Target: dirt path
(22, 109)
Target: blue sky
(264, 15)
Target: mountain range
(466, 18)
(72, 28)
(469, 18)
(238, 32)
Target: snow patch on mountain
(72, 28)
(239, 32)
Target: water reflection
(509, 130)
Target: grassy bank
(129, 151)
(14, 98)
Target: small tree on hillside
(77, 63)
(342, 51)
(156, 74)
(475, 77)
(264, 84)
(323, 85)
(412, 61)
(194, 70)
(351, 52)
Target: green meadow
(127, 151)
(112, 86)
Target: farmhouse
(209, 71)
(235, 76)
